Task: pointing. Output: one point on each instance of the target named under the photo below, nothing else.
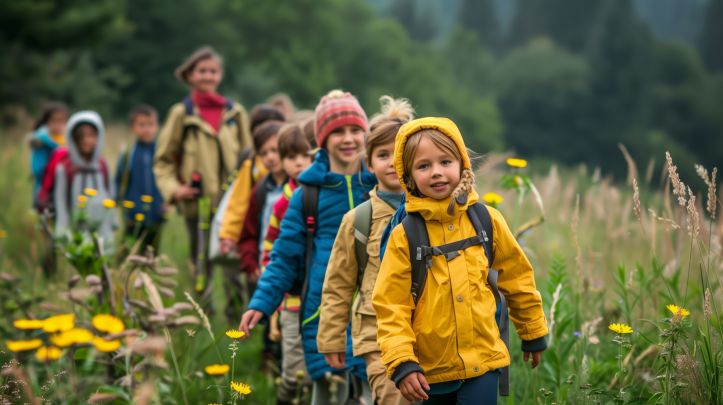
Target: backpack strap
(417, 237)
(310, 199)
(482, 221)
(125, 173)
(362, 228)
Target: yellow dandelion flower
(217, 369)
(128, 204)
(492, 198)
(48, 353)
(108, 323)
(241, 388)
(235, 334)
(82, 199)
(90, 191)
(23, 345)
(75, 336)
(106, 346)
(3, 234)
(678, 311)
(147, 199)
(620, 328)
(517, 163)
(108, 203)
(59, 323)
(28, 324)
(139, 217)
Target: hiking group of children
(370, 259)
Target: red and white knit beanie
(335, 110)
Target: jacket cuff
(403, 370)
(534, 345)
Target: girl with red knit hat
(197, 149)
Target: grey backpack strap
(480, 217)
(362, 228)
(416, 232)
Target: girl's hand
(413, 387)
(336, 360)
(536, 358)
(248, 321)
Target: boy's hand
(336, 360)
(248, 321)
(413, 387)
(185, 192)
(536, 358)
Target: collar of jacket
(318, 173)
(380, 208)
(197, 121)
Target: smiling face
(344, 145)
(381, 163)
(435, 170)
(206, 75)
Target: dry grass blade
(102, 398)
(202, 314)
(632, 168)
(678, 186)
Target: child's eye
(422, 166)
(446, 162)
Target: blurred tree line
(558, 79)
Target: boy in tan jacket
(343, 277)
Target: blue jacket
(338, 194)
(43, 146)
(134, 178)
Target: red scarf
(210, 107)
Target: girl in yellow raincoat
(446, 348)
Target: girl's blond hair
(383, 126)
(445, 143)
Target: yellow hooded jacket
(453, 334)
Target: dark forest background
(558, 80)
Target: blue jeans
(480, 390)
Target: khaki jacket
(340, 286)
(452, 334)
(201, 149)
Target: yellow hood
(428, 207)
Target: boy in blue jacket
(342, 182)
(138, 194)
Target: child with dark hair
(47, 135)
(137, 191)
